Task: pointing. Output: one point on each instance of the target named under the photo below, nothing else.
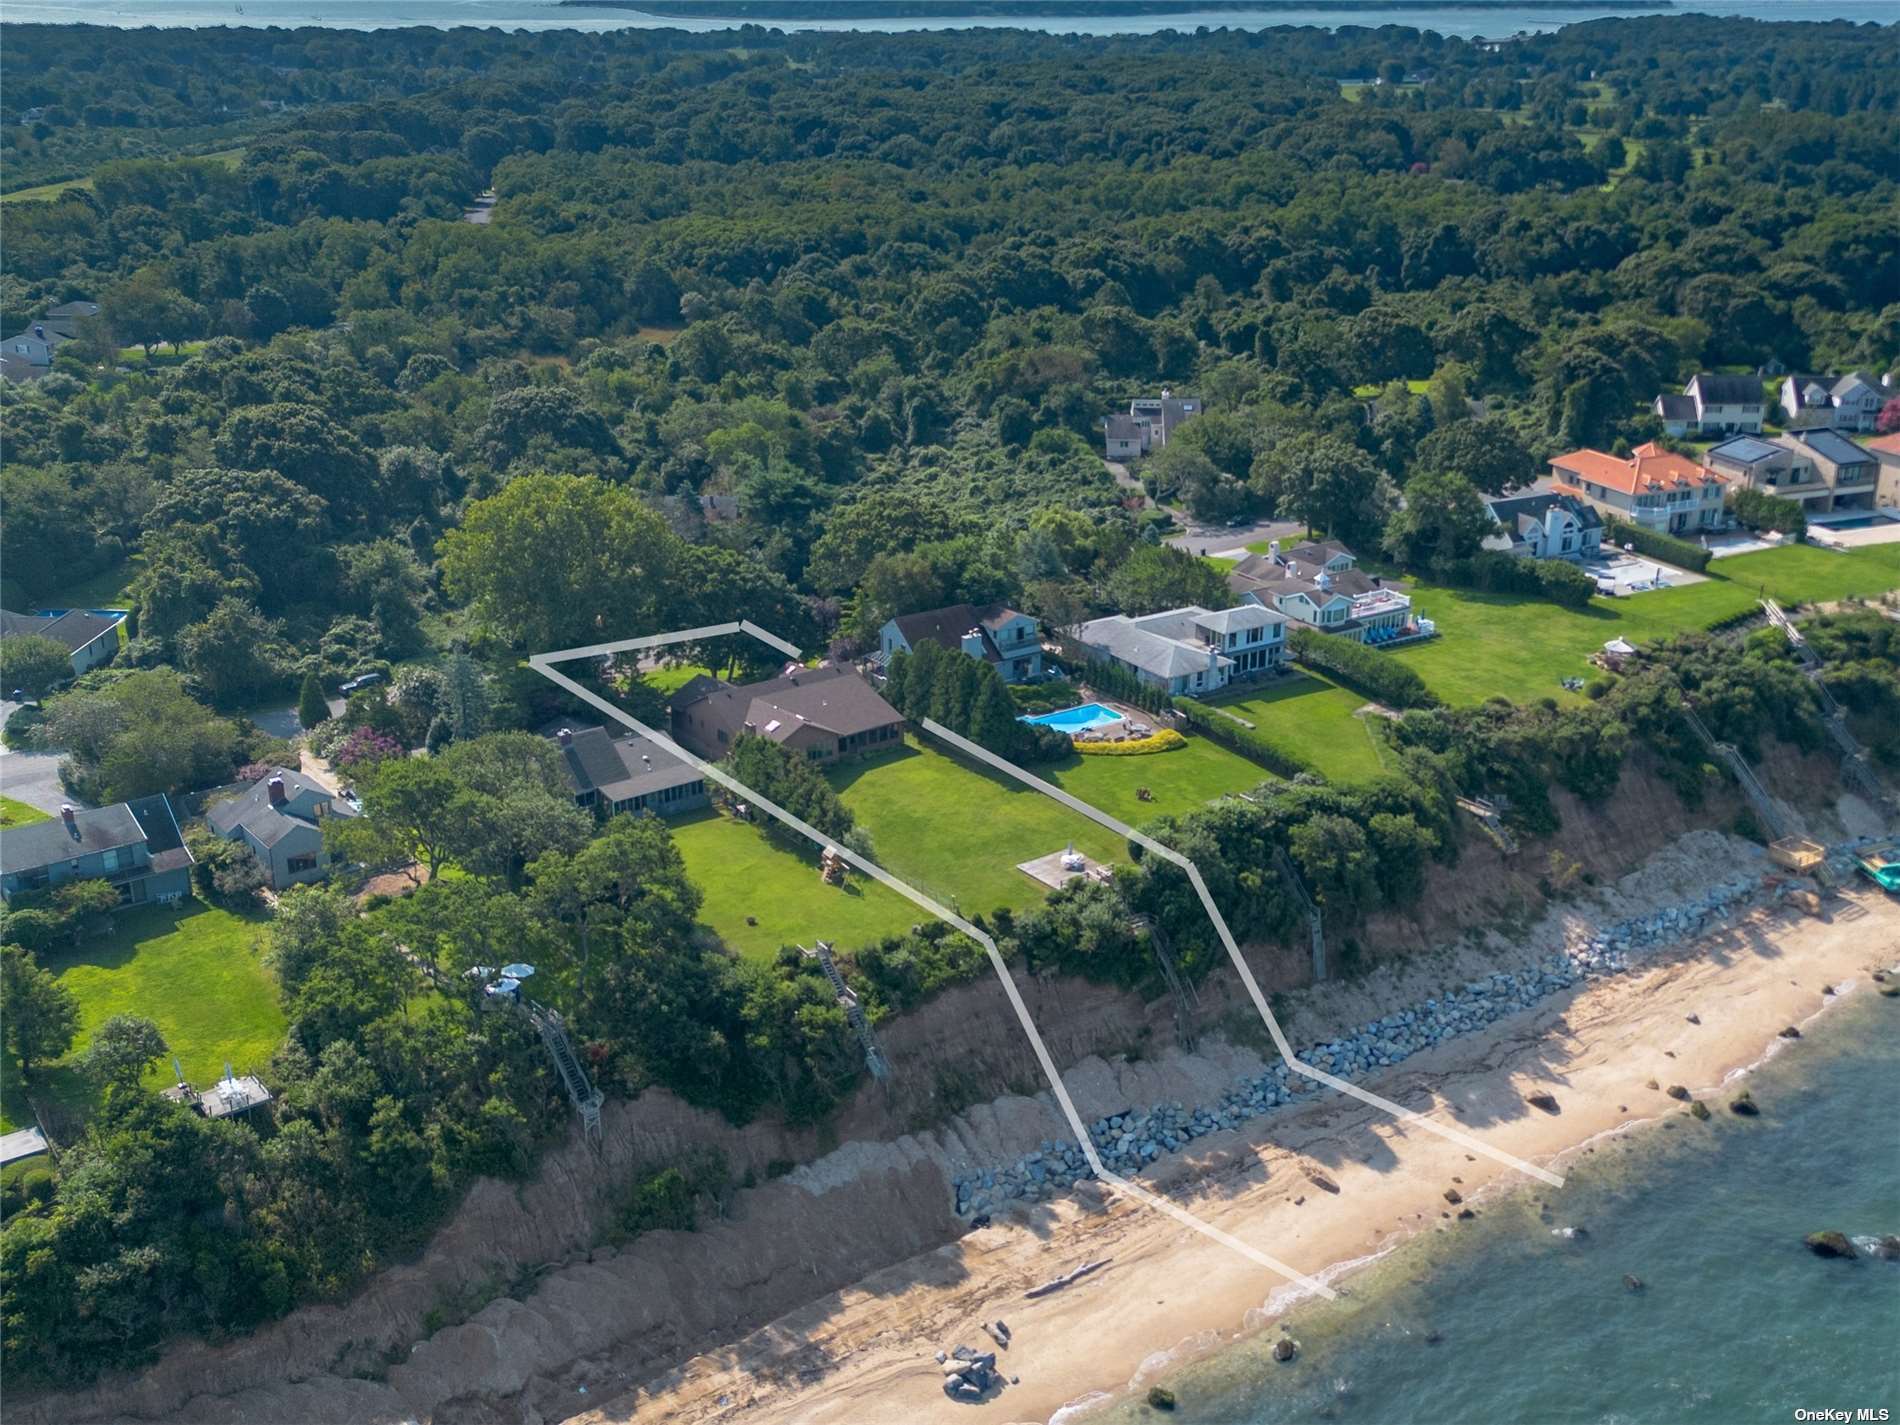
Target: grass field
(193, 970)
(958, 831)
(742, 874)
(1522, 648)
(14, 813)
(1181, 781)
(46, 192)
(1314, 718)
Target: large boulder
(1830, 1244)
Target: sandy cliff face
(563, 1314)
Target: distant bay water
(1508, 1320)
(546, 15)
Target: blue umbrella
(517, 971)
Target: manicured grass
(14, 813)
(1314, 718)
(742, 874)
(1181, 781)
(1522, 648)
(194, 970)
(958, 831)
(104, 590)
(673, 677)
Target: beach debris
(1693, 1018)
(1677, 1091)
(1160, 1397)
(1743, 1104)
(1060, 1282)
(942, 1356)
(1669, 1053)
(968, 1375)
(1653, 1084)
(982, 1219)
(1321, 1181)
(1466, 1214)
(1285, 1349)
(1632, 1282)
(1698, 1110)
(997, 1332)
(1830, 1244)
(1888, 1248)
(1790, 1033)
(1545, 1101)
(1453, 1196)
(1826, 991)
(1890, 991)
(1300, 1201)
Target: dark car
(361, 681)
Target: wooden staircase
(1187, 1003)
(1491, 819)
(580, 1089)
(1315, 922)
(874, 1059)
(1856, 767)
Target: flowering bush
(364, 745)
(1166, 740)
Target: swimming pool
(1074, 720)
(1862, 522)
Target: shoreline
(1330, 1187)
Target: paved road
(1201, 539)
(31, 777)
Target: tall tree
(42, 1015)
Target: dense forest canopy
(812, 329)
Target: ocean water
(1505, 1321)
(544, 15)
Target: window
(110, 858)
(300, 865)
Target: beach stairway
(874, 1059)
(1315, 922)
(1187, 1003)
(580, 1089)
(1855, 767)
(1765, 806)
(1492, 821)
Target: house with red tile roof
(1886, 449)
(1651, 487)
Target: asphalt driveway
(31, 777)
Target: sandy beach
(1322, 1187)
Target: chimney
(565, 737)
(275, 788)
(39, 331)
(1273, 550)
(67, 815)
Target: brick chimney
(275, 789)
(67, 815)
(565, 737)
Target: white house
(1850, 402)
(1148, 424)
(1546, 526)
(1320, 585)
(1191, 651)
(1713, 405)
(995, 633)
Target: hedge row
(1363, 669)
(1656, 545)
(1495, 572)
(1166, 740)
(1757, 509)
(1247, 741)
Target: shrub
(1362, 669)
(1494, 571)
(1757, 509)
(1247, 741)
(1166, 740)
(1656, 545)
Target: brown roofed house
(827, 712)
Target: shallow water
(1736, 1322)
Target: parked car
(361, 681)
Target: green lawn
(958, 831)
(193, 970)
(1181, 781)
(1314, 718)
(104, 590)
(1522, 648)
(14, 813)
(673, 677)
(742, 875)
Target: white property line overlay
(542, 664)
(1406, 1115)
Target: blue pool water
(1074, 720)
(1863, 522)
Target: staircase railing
(1315, 922)
(1855, 766)
(580, 1089)
(1186, 1001)
(1493, 823)
(860, 1023)
(1752, 789)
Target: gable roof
(162, 837)
(1717, 390)
(621, 768)
(1676, 408)
(945, 627)
(252, 809)
(73, 629)
(1156, 643)
(1883, 444)
(1120, 427)
(1511, 510)
(47, 843)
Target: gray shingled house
(134, 846)
(997, 634)
(628, 774)
(281, 819)
(89, 636)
